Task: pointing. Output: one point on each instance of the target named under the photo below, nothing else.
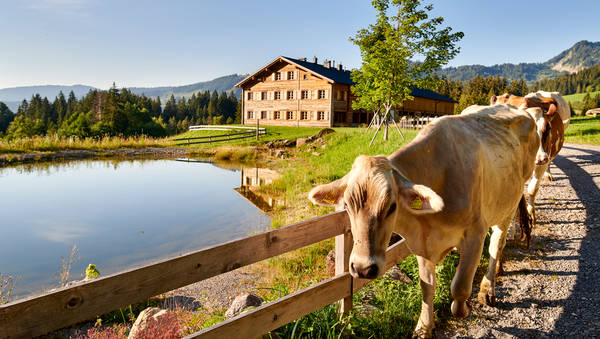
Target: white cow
(460, 176)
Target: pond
(118, 214)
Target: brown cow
(550, 126)
(460, 176)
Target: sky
(177, 42)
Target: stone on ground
(240, 303)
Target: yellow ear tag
(329, 199)
(417, 203)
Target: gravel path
(551, 290)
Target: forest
(116, 112)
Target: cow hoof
(486, 299)
(460, 309)
(548, 176)
(422, 333)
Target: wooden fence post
(257, 127)
(343, 248)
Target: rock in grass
(330, 262)
(301, 142)
(240, 303)
(155, 323)
(395, 273)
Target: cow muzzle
(541, 158)
(368, 272)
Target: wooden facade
(296, 92)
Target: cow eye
(391, 210)
(345, 206)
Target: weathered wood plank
(343, 249)
(57, 309)
(280, 312)
(277, 313)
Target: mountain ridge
(581, 55)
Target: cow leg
(547, 175)
(462, 283)
(487, 290)
(532, 189)
(426, 323)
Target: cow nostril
(372, 271)
(352, 267)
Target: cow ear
(551, 111)
(328, 194)
(420, 199)
(493, 100)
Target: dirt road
(553, 289)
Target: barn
(297, 92)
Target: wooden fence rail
(63, 307)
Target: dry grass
(53, 143)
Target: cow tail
(525, 221)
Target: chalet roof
(331, 73)
(341, 76)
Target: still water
(119, 214)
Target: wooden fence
(415, 121)
(66, 306)
(238, 132)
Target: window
(305, 94)
(263, 95)
(263, 114)
(345, 95)
(290, 95)
(277, 115)
(321, 94)
(250, 115)
(304, 115)
(338, 95)
(249, 96)
(339, 117)
(289, 115)
(320, 115)
(277, 95)
(305, 76)
(278, 76)
(290, 75)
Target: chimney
(327, 63)
(315, 60)
(333, 63)
(302, 59)
(340, 68)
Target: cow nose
(369, 272)
(541, 159)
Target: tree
(6, 117)
(388, 48)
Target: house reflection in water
(251, 179)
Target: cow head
(543, 121)
(376, 197)
(543, 110)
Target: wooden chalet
(297, 92)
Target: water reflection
(251, 179)
(120, 214)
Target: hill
(221, 84)
(13, 96)
(582, 54)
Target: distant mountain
(13, 96)
(222, 84)
(582, 54)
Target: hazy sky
(153, 43)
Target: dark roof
(343, 77)
(425, 93)
(331, 73)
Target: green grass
(574, 98)
(273, 133)
(583, 130)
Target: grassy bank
(55, 143)
(583, 130)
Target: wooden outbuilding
(297, 92)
